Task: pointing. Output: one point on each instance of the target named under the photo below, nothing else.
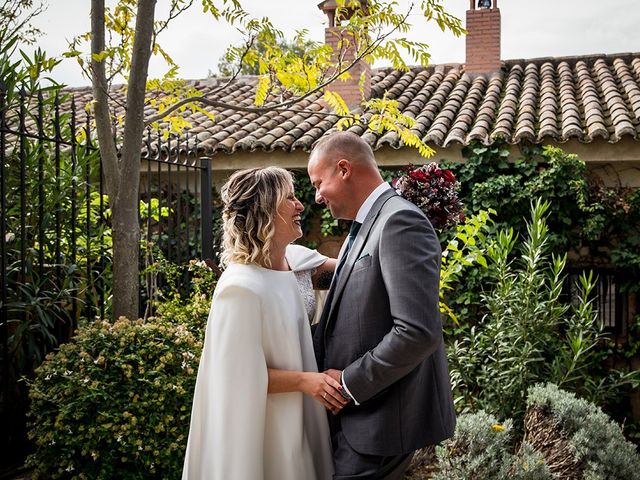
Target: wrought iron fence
(175, 209)
(55, 253)
(615, 305)
(52, 256)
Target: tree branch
(248, 47)
(282, 106)
(108, 151)
(240, 108)
(136, 88)
(174, 12)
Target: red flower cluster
(434, 191)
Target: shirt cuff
(346, 390)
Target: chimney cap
(483, 4)
(328, 5)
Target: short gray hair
(346, 145)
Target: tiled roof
(548, 99)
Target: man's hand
(324, 389)
(335, 374)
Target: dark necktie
(353, 231)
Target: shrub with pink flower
(434, 191)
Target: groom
(380, 333)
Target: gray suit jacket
(381, 326)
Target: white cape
(238, 431)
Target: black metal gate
(175, 208)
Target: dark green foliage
(583, 212)
(43, 289)
(594, 224)
(490, 180)
(115, 402)
(47, 284)
(529, 334)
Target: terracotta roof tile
(583, 98)
(485, 117)
(548, 109)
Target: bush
(531, 333)
(598, 225)
(529, 465)
(477, 449)
(115, 402)
(171, 305)
(191, 314)
(565, 437)
(591, 446)
(481, 450)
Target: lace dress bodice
(304, 261)
(303, 277)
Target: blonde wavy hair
(251, 198)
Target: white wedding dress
(239, 432)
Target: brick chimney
(483, 37)
(349, 90)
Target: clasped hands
(326, 388)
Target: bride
(259, 403)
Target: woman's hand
(320, 386)
(324, 389)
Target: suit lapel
(337, 287)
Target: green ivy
(584, 216)
(490, 180)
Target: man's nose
(319, 198)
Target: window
(615, 307)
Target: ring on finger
(324, 395)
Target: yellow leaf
(336, 102)
(262, 89)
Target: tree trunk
(122, 173)
(126, 250)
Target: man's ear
(344, 168)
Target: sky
(530, 29)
